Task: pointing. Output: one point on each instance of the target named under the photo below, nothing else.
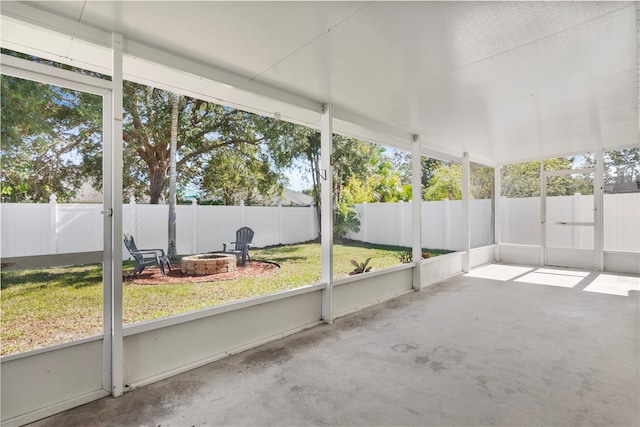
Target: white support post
(466, 214)
(497, 210)
(543, 214)
(326, 238)
(117, 362)
(109, 254)
(598, 200)
(416, 212)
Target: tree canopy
(50, 136)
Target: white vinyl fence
(520, 221)
(390, 224)
(57, 228)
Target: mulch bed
(152, 275)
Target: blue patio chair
(244, 237)
(146, 257)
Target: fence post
(242, 224)
(53, 224)
(194, 226)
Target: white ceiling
(504, 81)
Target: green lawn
(55, 305)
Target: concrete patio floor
(504, 345)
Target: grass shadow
(74, 277)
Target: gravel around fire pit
(152, 275)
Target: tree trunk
(315, 176)
(172, 251)
(157, 177)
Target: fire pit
(205, 264)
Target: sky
(296, 182)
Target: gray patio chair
(244, 237)
(145, 257)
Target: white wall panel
(440, 268)
(164, 351)
(41, 383)
(520, 254)
(483, 255)
(366, 289)
(622, 262)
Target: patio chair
(145, 257)
(244, 237)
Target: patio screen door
(568, 218)
(61, 240)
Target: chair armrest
(153, 251)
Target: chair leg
(138, 269)
(161, 265)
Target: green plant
(360, 267)
(405, 257)
(346, 219)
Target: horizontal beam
(55, 260)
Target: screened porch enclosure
(534, 106)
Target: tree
(203, 127)
(50, 138)
(244, 173)
(523, 179)
(358, 167)
(445, 183)
(520, 180)
(171, 248)
(622, 166)
(481, 182)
